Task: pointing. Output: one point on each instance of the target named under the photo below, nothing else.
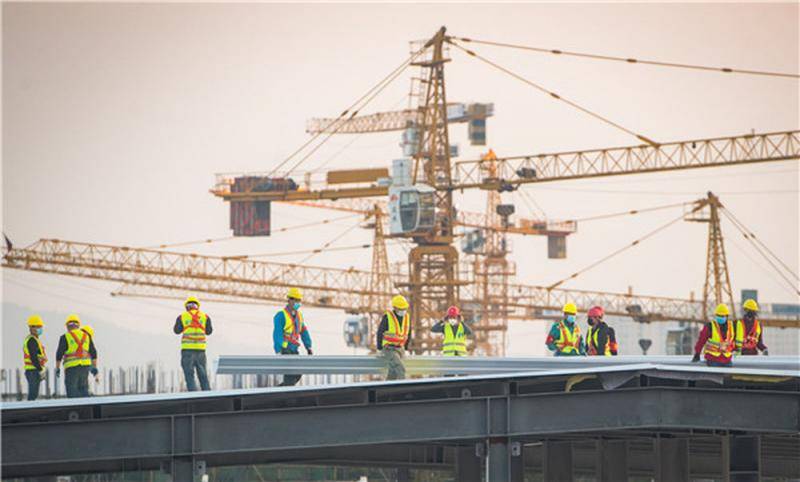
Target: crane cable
(630, 60)
(303, 251)
(554, 95)
(631, 212)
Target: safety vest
(455, 344)
(568, 342)
(718, 347)
(397, 334)
(747, 341)
(26, 356)
(194, 330)
(292, 329)
(77, 354)
(591, 342)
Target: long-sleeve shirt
(279, 324)
(605, 334)
(439, 328)
(62, 348)
(760, 346)
(178, 328)
(383, 326)
(33, 350)
(705, 335)
(555, 334)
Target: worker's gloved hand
(765, 352)
(94, 371)
(310, 351)
(42, 373)
(696, 358)
(58, 372)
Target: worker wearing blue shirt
(289, 330)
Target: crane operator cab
(412, 209)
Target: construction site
(439, 254)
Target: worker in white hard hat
(394, 334)
(289, 330)
(194, 326)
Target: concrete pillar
(498, 464)
(612, 460)
(744, 458)
(558, 461)
(468, 464)
(672, 460)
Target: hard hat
(722, 310)
(596, 312)
(453, 312)
(750, 305)
(35, 320)
(88, 329)
(192, 299)
(570, 308)
(400, 302)
(294, 293)
(73, 318)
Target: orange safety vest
(77, 353)
(26, 356)
(747, 341)
(194, 330)
(292, 329)
(568, 342)
(718, 347)
(397, 334)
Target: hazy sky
(116, 117)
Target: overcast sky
(116, 117)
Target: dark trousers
(290, 380)
(713, 363)
(76, 379)
(194, 361)
(34, 379)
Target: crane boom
(394, 120)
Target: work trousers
(393, 358)
(76, 379)
(34, 378)
(194, 361)
(717, 364)
(290, 380)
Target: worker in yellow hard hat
(564, 338)
(34, 357)
(76, 349)
(749, 334)
(289, 329)
(394, 335)
(717, 339)
(194, 326)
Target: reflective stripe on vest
(77, 353)
(291, 329)
(568, 342)
(748, 341)
(716, 346)
(397, 333)
(194, 330)
(26, 356)
(454, 343)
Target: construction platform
(669, 423)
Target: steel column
(498, 464)
(745, 457)
(612, 460)
(558, 461)
(672, 460)
(468, 463)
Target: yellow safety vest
(397, 333)
(292, 330)
(26, 356)
(747, 341)
(455, 344)
(77, 354)
(716, 346)
(194, 330)
(568, 342)
(591, 339)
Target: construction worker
(90, 331)
(289, 330)
(194, 326)
(601, 340)
(394, 334)
(455, 333)
(717, 339)
(749, 335)
(34, 356)
(77, 350)
(564, 338)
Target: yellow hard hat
(73, 318)
(192, 299)
(35, 320)
(750, 305)
(400, 302)
(294, 293)
(88, 329)
(570, 308)
(722, 310)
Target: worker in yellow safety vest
(564, 338)
(749, 333)
(194, 326)
(34, 356)
(601, 339)
(289, 330)
(393, 336)
(455, 333)
(717, 339)
(76, 349)
(90, 331)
